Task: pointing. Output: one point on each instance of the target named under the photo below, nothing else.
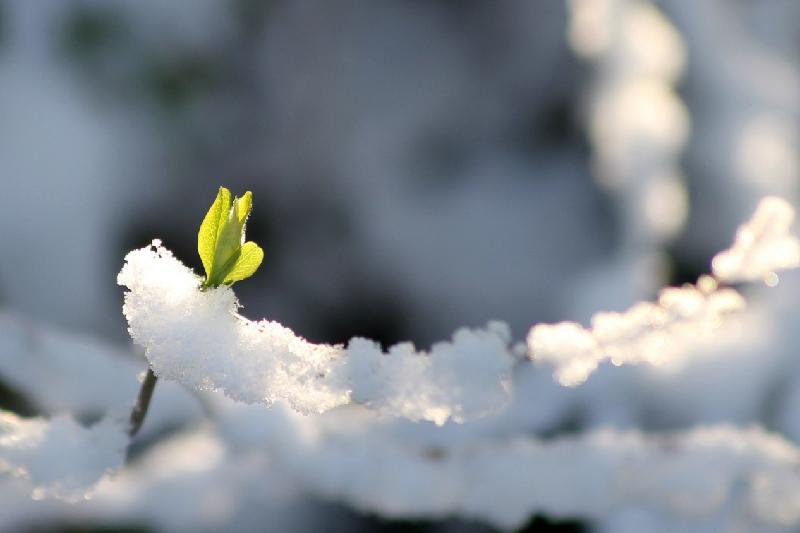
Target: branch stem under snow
(139, 411)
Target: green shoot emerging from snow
(220, 242)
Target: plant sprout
(227, 258)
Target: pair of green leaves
(226, 256)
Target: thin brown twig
(139, 411)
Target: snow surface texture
(197, 338)
(60, 457)
(660, 332)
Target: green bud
(226, 256)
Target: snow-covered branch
(646, 333)
(197, 338)
(637, 124)
(762, 246)
(659, 332)
(699, 474)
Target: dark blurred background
(416, 166)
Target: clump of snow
(762, 246)
(646, 333)
(198, 339)
(60, 457)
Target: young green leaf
(221, 244)
(210, 229)
(228, 245)
(244, 205)
(248, 262)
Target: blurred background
(417, 166)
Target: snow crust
(198, 339)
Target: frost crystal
(197, 338)
(762, 246)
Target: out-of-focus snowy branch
(638, 126)
(646, 333)
(697, 473)
(762, 246)
(60, 457)
(659, 332)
